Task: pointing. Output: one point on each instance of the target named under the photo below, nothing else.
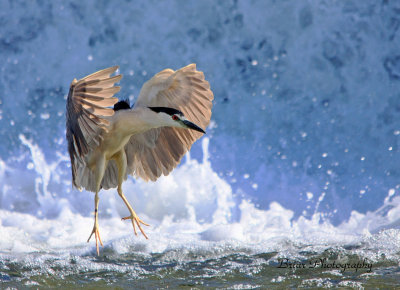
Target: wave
(192, 208)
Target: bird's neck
(137, 120)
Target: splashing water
(194, 216)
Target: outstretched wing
(158, 151)
(87, 104)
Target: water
(295, 185)
(202, 238)
(197, 269)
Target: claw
(96, 233)
(135, 218)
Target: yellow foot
(97, 237)
(135, 219)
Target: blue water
(301, 159)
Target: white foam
(191, 208)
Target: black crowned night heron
(106, 144)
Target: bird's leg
(133, 217)
(121, 164)
(95, 230)
(99, 173)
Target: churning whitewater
(192, 205)
(195, 218)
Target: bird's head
(175, 118)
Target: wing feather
(186, 90)
(101, 74)
(87, 104)
(97, 100)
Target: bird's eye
(175, 117)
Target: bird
(108, 139)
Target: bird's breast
(123, 124)
(113, 143)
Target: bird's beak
(193, 126)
